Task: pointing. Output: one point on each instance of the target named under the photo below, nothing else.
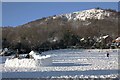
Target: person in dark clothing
(18, 47)
(17, 54)
(108, 54)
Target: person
(107, 54)
(17, 54)
(18, 47)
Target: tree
(5, 43)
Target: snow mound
(36, 61)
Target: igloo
(35, 61)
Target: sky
(18, 13)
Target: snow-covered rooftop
(118, 39)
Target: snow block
(28, 63)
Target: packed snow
(35, 61)
(70, 63)
(37, 57)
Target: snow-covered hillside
(69, 63)
(81, 24)
(88, 14)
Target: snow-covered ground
(67, 63)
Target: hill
(61, 31)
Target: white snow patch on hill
(86, 14)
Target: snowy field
(69, 63)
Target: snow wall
(35, 61)
(28, 63)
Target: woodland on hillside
(48, 33)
